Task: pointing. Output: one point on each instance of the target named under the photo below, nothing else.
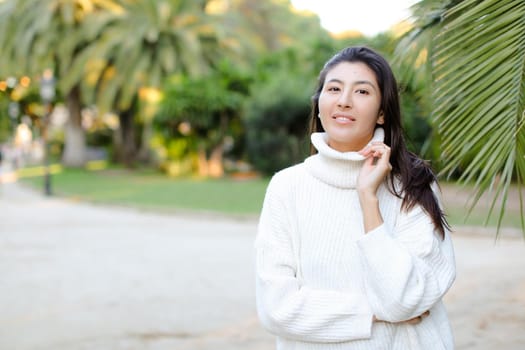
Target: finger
(380, 149)
(383, 158)
(370, 161)
(415, 320)
(375, 150)
(374, 144)
(377, 143)
(419, 318)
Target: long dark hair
(415, 174)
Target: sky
(367, 16)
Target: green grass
(148, 189)
(458, 215)
(457, 205)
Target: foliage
(43, 34)
(201, 101)
(277, 112)
(413, 67)
(276, 131)
(478, 64)
(480, 93)
(204, 111)
(110, 48)
(5, 122)
(161, 38)
(416, 121)
(49, 34)
(261, 27)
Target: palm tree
(39, 35)
(269, 26)
(136, 50)
(478, 66)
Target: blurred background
(189, 106)
(210, 89)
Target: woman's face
(349, 106)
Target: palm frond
(479, 68)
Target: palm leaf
(479, 96)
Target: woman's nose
(345, 100)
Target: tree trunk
(215, 166)
(74, 154)
(215, 163)
(128, 149)
(144, 154)
(202, 162)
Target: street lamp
(47, 93)
(13, 110)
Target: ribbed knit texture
(319, 278)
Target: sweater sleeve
(409, 268)
(286, 307)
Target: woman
(353, 250)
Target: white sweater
(320, 279)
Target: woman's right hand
(375, 168)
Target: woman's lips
(343, 119)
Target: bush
(276, 121)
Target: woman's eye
(333, 88)
(361, 91)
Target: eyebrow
(358, 82)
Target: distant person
(353, 250)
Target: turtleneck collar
(339, 169)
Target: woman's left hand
(412, 321)
(377, 166)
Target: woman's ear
(381, 118)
